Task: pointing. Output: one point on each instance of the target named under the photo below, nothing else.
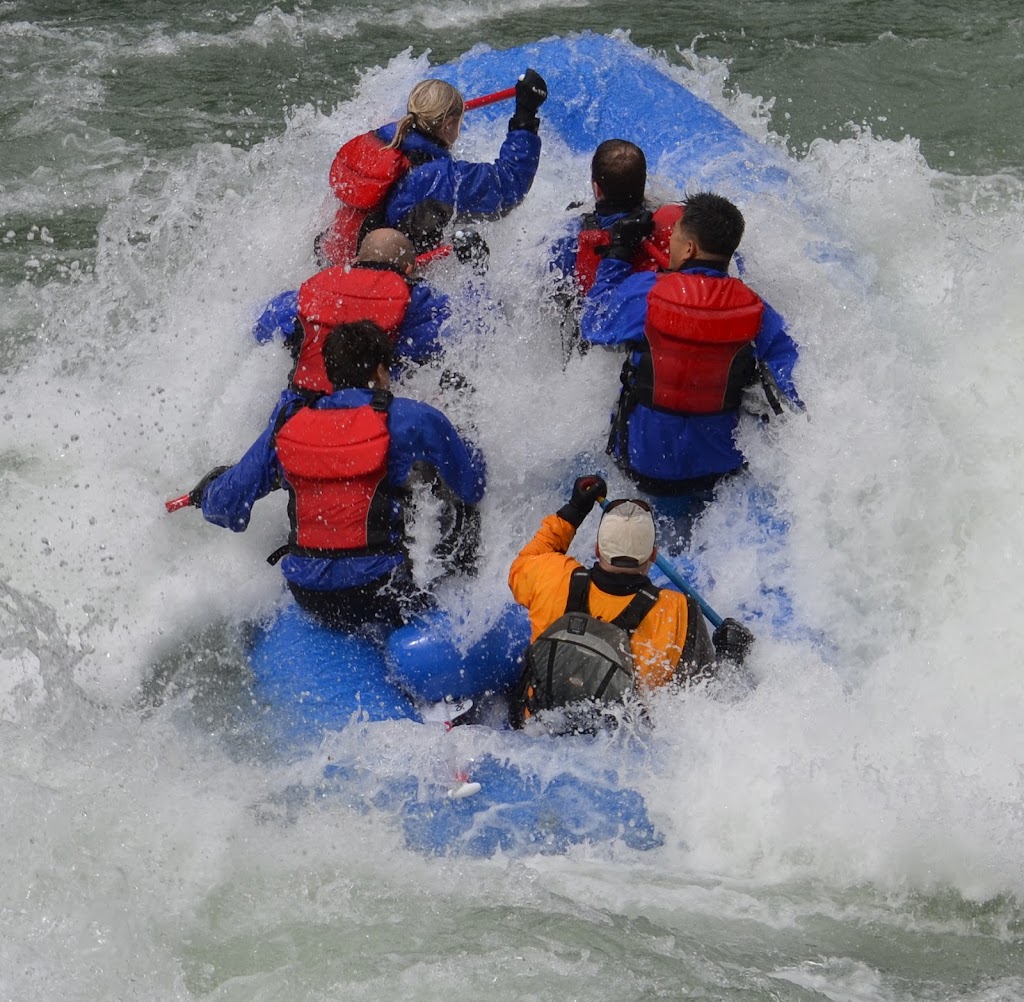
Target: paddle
(657, 255)
(433, 255)
(175, 503)
(486, 99)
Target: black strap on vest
(630, 617)
(381, 400)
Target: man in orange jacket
(671, 641)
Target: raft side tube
(426, 662)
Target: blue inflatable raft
(319, 680)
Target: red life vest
(650, 256)
(362, 174)
(699, 353)
(335, 461)
(342, 295)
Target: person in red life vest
(345, 459)
(380, 286)
(670, 642)
(618, 178)
(403, 175)
(696, 339)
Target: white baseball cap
(625, 537)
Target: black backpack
(580, 662)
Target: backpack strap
(579, 591)
(642, 603)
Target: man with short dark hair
(345, 458)
(696, 339)
(618, 179)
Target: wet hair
(713, 222)
(620, 168)
(431, 103)
(353, 352)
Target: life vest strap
(630, 617)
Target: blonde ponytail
(431, 103)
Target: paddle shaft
(486, 99)
(687, 589)
(657, 255)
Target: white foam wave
(897, 759)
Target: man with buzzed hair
(388, 247)
(381, 286)
(618, 179)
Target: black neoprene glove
(732, 641)
(195, 496)
(424, 224)
(627, 234)
(585, 494)
(531, 93)
(471, 248)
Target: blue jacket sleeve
(615, 310)
(472, 189)
(778, 350)
(228, 500)
(278, 315)
(421, 433)
(419, 336)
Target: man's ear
(598, 193)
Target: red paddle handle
(659, 257)
(432, 255)
(175, 503)
(498, 95)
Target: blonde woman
(403, 175)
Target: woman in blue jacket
(437, 187)
(403, 175)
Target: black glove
(424, 224)
(627, 234)
(195, 496)
(732, 641)
(531, 93)
(460, 526)
(585, 493)
(471, 248)
(453, 381)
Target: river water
(851, 830)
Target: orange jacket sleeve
(539, 576)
